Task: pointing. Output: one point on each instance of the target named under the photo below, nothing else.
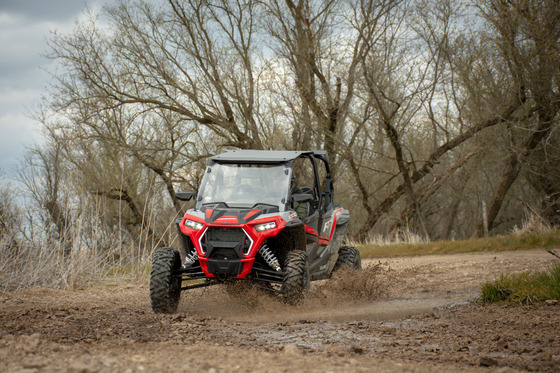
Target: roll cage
(323, 196)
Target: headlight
(193, 224)
(265, 226)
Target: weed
(524, 288)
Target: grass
(118, 275)
(524, 288)
(516, 241)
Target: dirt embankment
(412, 314)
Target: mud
(411, 315)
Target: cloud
(17, 132)
(25, 26)
(44, 10)
(22, 44)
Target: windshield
(245, 185)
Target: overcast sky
(24, 27)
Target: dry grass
(43, 263)
(535, 232)
(29, 266)
(516, 241)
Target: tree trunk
(513, 167)
(409, 187)
(383, 207)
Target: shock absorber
(270, 258)
(190, 259)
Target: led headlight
(193, 224)
(265, 226)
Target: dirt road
(406, 315)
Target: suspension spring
(270, 258)
(190, 259)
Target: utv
(263, 217)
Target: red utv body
(265, 217)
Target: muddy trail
(410, 314)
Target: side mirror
(302, 197)
(185, 196)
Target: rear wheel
(348, 257)
(295, 283)
(165, 287)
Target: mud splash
(347, 296)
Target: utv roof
(262, 156)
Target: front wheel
(295, 283)
(348, 257)
(165, 287)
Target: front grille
(224, 253)
(225, 234)
(225, 243)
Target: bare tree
(10, 221)
(527, 37)
(44, 173)
(323, 44)
(194, 58)
(403, 97)
(407, 78)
